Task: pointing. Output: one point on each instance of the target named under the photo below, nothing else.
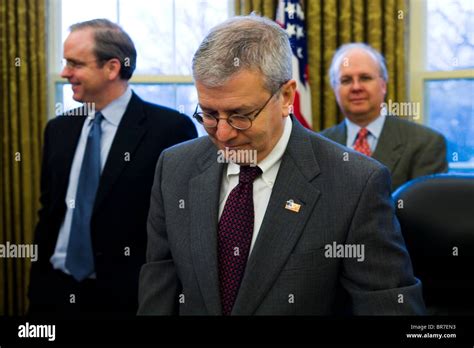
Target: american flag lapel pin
(291, 205)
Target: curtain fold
(23, 117)
(331, 23)
(265, 8)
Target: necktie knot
(248, 174)
(98, 118)
(362, 144)
(363, 132)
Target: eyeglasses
(72, 64)
(237, 121)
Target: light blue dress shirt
(113, 114)
(374, 128)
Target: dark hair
(111, 41)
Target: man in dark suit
(264, 217)
(97, 174)
(359, 78)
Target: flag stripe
(290, 16)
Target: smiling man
(96, 180)
(236, 239)
(359, 79)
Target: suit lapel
(281, 228)
(70, 133)
(390, 145)
(204, 202)
(130, 131)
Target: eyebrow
(360, 74)
(72, 60)
(239, 110)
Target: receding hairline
(358, 50)
(346, 49)
(98, 23)
(91, 30)
(95, 28)
(81, 32)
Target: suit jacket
(408, 149)
(120, 211)
(289, 271)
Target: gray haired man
(298, 231)
(359, 79)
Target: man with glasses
(98, 167)
(359, 77)
(298, 232)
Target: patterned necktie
(79, 257)
(361, 144)
(235, 236)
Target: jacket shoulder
(163, 112)
(413, 130)
(333, 154)
(190, 150)
(333, 159)
(165, 119)
(65, 120)
(342, 169)
(331, 131)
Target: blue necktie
(79, 257)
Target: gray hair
(344, 49)
(244, 42)
(111, 41)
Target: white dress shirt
(113, 114)
(263, 185)
(374, 128)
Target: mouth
(233, 147)
(357, 100)
(75, 86)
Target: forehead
(358, 61)
(244, 88)
(79, 43)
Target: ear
(288, 91)
(384, 87)
(112, 69)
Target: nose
(225, 131)
(66, 72)
(356, 85)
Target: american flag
(290, 16)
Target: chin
(77, 98)
(361, 113)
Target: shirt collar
(375, 128)
(115, 110)
(268, 164)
